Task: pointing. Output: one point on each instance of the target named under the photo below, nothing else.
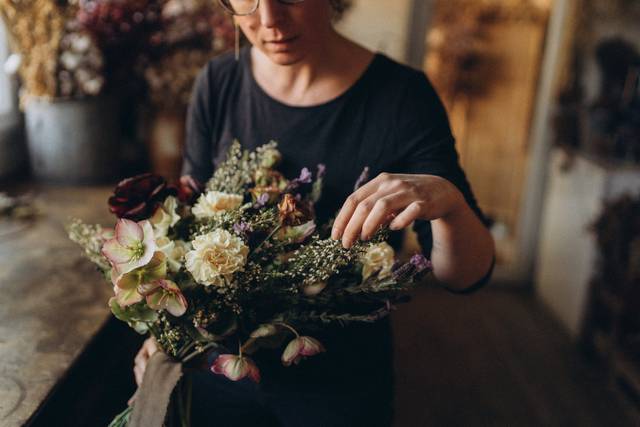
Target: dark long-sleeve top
(390, 120)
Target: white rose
(215, 257)
(214, 202)
(174, 251)
(165, 217)
(380, 258)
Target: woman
(326, 99)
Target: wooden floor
(495, 358)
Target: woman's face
(287, 33)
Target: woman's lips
(281, 41)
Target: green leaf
(138, 316)
(122, 419)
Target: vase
(73, 141)
(165, 140)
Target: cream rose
(214, 202)
(215, 257)
(380, 258)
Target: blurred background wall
(543, 98)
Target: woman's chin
(284, 57)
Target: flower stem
(246, 343)
(185, 349)
(288, 327)
(197, 352)
(275, 230)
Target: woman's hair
(339, 7)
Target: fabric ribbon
(152, 398)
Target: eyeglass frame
(232, 12)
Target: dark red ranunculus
(189, 189)
(138, 197)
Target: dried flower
(271, 157)
(420, 262)
(262, 200)
(242, 228)
(304, 178)
(299, 348)
(215, 257)
(321, 171)
(138, 197)
(292, 211)
(235, 367)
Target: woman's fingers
(149, 347)
(383, 210)
(352, 203)
(138, 373)
(132, 399)
(407, 216)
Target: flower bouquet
(238, 266)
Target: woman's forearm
(463, 249)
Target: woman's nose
(270, 13)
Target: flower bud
(264, 331)
(300, 348)
(235, 367)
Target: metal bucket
(73, 141)
(13, 152)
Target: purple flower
(262, 200)
(305, 176)
(402, 272)
(420, 262)
(322, 169)
(364, 177)
(242, 228)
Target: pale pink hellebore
(236, 367)
(132, 247)
(299, 348)
(164, 295)
(126, 286)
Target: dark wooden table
(53, 302)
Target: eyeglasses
(247, 7)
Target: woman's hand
(149, 347)
(396, 198)
(463, 248)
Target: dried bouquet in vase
(189, 34)
(55, 57)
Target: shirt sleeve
(427, 146)
(197, 153)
